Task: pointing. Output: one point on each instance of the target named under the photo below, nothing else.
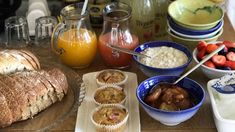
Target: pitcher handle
(54, 39)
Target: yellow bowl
(195, 14)
(192, 43)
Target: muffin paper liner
(110, 128)
(119, 83)
(122, 102)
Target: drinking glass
(16, 32)
(44, 29)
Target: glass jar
(161, 7)
(96, 7)
(73, 39)
(116, 32)
(143, 19)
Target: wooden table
(201, 122)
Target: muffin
(110, 118)
(109, 94)
(111, 76)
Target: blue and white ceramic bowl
(153, 71)
(171, 118)
(211, 73)
(188, 31)
(204, 36)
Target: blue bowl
(153, 71)
(171, 118)
(187, 31)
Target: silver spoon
(127, 51)
(188, 72)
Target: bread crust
(26, 93)
(11, 101)
(60, 77)
(17, 60)
(5, 114)
(33, 57)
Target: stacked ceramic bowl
(192, 21)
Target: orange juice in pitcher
(73, 39)
(79, 48)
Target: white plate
(84, 124)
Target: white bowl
(209, 35)
(220, 109)
(211, 73)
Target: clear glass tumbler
(44, 29)
(16, 32)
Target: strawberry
(230, 56)
(230, 64)
(219, 60)
(201, 54)
(209, 64)
(229, 44)
(219, 44)
(211, 47)
(201, 45)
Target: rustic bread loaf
(26, 93)
(17, 60)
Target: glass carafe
(73, 39)
(142, 19)
(116, 32)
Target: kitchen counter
(201, 122)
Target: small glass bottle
(143, 19)
(161, 7)
(116, 32)
(96, 7)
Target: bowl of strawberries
(221, 63)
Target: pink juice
(114, 58)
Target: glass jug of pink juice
(73, 39)
(116, 32)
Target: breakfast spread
(164, 57)
(169, 98)
(109, 94)
(110, 118)
(111, 76)
(224, 60)
(27, 88)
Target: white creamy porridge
(164, 57)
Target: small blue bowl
(153, 71)
(187, 31)
(171, 118)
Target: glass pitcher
(116, 32)
(73, 39)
